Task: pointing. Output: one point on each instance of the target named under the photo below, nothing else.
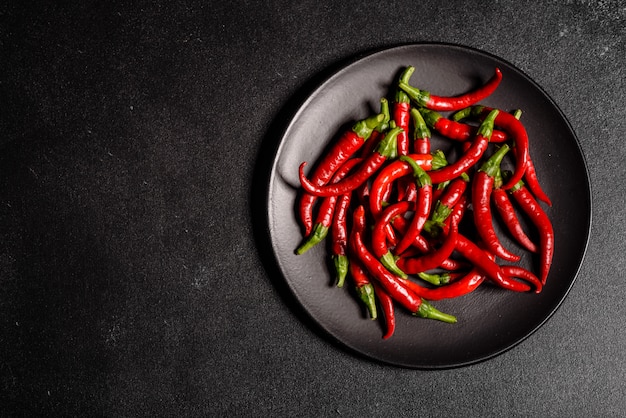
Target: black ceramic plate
(490, 320)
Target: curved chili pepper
(450, 197)
(421, 133)
(463, 286)
(392, 284)
(401, 108)
(454, 130)
(430, 101)
(364, 288)
(473, 153)
(434, 258)
(531, 173)
(386, 149)
(533, 183)
(481, 260)
(379, 236)
(339, 238)
(517, 132)
(541, 221)
(392, 172)
(339, 153)
(325, 214)
(482, 185)
(507, 213)
(389, 314)
(422, 206)
(522, 273)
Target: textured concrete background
(130, 279)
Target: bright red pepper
(433, 259)
(430, 101)
(421, 133)
(393, 285)
(325, 213)
(379, 235)
(422, 206)
(507, 213)
(387, 306)
(338, 154)
(401, 116)
(471, 156)
(463, 286)
(455, 130)
(364, 288)
(482, 186)
(540, 219)
(386, 149)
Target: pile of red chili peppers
(408, 225)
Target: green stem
(486, 127)
(420, 175)
(384, 110)
(388, 146)
(368, 297)
(420, 97)
(389, 261)
(492, 165)
(317, 235)
(364, 128)
(342, 264)
(461, 114)
(426, 310)
(439, 160)
(430, 117)
(420, 128)
(436, 279)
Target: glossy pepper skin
(422, 207)
(425, 99)
(517, 132)
(471, 156)
(385, 150)
(540, 219)
(325, 214)
(339, 153)
(482, 186)
(454, 130)
(393, 285)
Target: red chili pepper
(392, 284)
(533, 183)
(522, 273)
(339, 238)
(448, 199)
(540, 219)
(422, 206)
(392, 172)
(432, 259)
(389, 314)
(385, 150)
(401, 108)
(463, 286)
(471, 156)
(339, 153)
(325, 214)
(481, 260)
(379, 235)
(482, 185)
(421, 133)
(364, 288)
(454, 130)
(430, 101)
(517, 132)
(507, 213)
